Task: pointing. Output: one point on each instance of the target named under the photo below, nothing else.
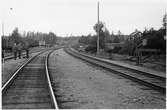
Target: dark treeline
(27, 40)
(125, 44)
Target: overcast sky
(77, 17)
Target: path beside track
(149, 79)
(81, 85)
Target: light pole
(98, 29)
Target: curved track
(30, 86)
(156, 82)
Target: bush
(116, 49)
(108, 50)
(91, 49)
(76, 46)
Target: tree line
(27, 39)
(156, 39)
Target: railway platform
(143, 69)
(126, 65)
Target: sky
(77, 17)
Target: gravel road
(79, 85)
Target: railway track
(30, 86)
(155, 82)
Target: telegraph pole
(98, 29)
(2, 28)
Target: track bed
(30, 88)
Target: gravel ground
(79, 85)
(12, 65)
(9, 67)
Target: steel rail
(48, 79)
(86, 58)
(10, 80)
(138, 71)
(49, 82)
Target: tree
(119, 33)
(155, 39)
(5, 45)
(164, 21)
(116, 39)
(15, 37)
(84, 40)
(52, 38)
(103, 33)
(98, 27)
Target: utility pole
(2, 28)
(4, 24)
(98, 29)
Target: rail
(48, 79)
(145, 79)
(49, 82)
(10, 80)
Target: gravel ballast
(80, 85)
(11, 65)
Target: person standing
(19, 50)
(27, 53)
(26, 47)
(15, 51)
